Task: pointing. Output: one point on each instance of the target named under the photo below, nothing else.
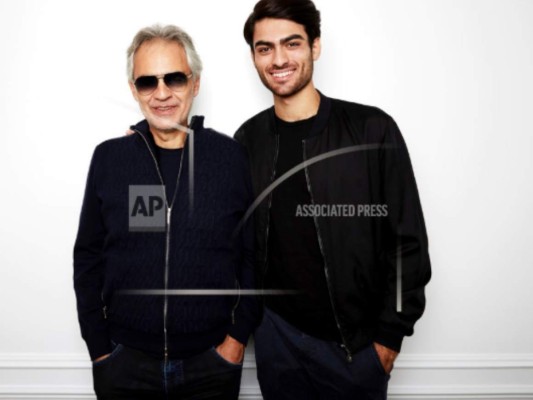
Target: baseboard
(429, 393)
(415, 377)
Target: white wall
(456, 76)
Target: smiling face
(164, 108)
(283, 57)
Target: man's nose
(280, 57)
(162, 91)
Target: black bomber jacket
(376, 259)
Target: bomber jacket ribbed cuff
(241, 331)
(98, 345)
(392, 340)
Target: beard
(163, 126)
(170, 123)
(284, 90)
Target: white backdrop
(456, 76)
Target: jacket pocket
(116, 351)
(217, 355)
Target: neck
(299, 106)
(169, 140)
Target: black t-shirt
(169, 165)
(295, 261)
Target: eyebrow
(282, 41)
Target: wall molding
(405, 361)
(32, 376)
(464, 361)
(60, 392)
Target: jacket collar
(142, 127)
(322, 116)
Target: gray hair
(170, 33)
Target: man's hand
(231, 349)
(386, 356)
(101, 357)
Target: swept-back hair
(166, 32)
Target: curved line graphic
(301, 166)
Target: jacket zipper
(167, 242)
(326, 269)
(238, 286)
(104, 308)
(272, 177)
(165, 304)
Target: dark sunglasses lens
(146, 84)
(176, 80)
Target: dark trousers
(129, 374)
(292, 365)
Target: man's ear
(316, 48)
(196, 87)
(133, 90)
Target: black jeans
(292, 365)
(129, 374)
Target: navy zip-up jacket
(113, 263)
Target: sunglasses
(175, 81)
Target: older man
(157, 269)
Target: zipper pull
(169, 210)
(105, 312)
(348, 354)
